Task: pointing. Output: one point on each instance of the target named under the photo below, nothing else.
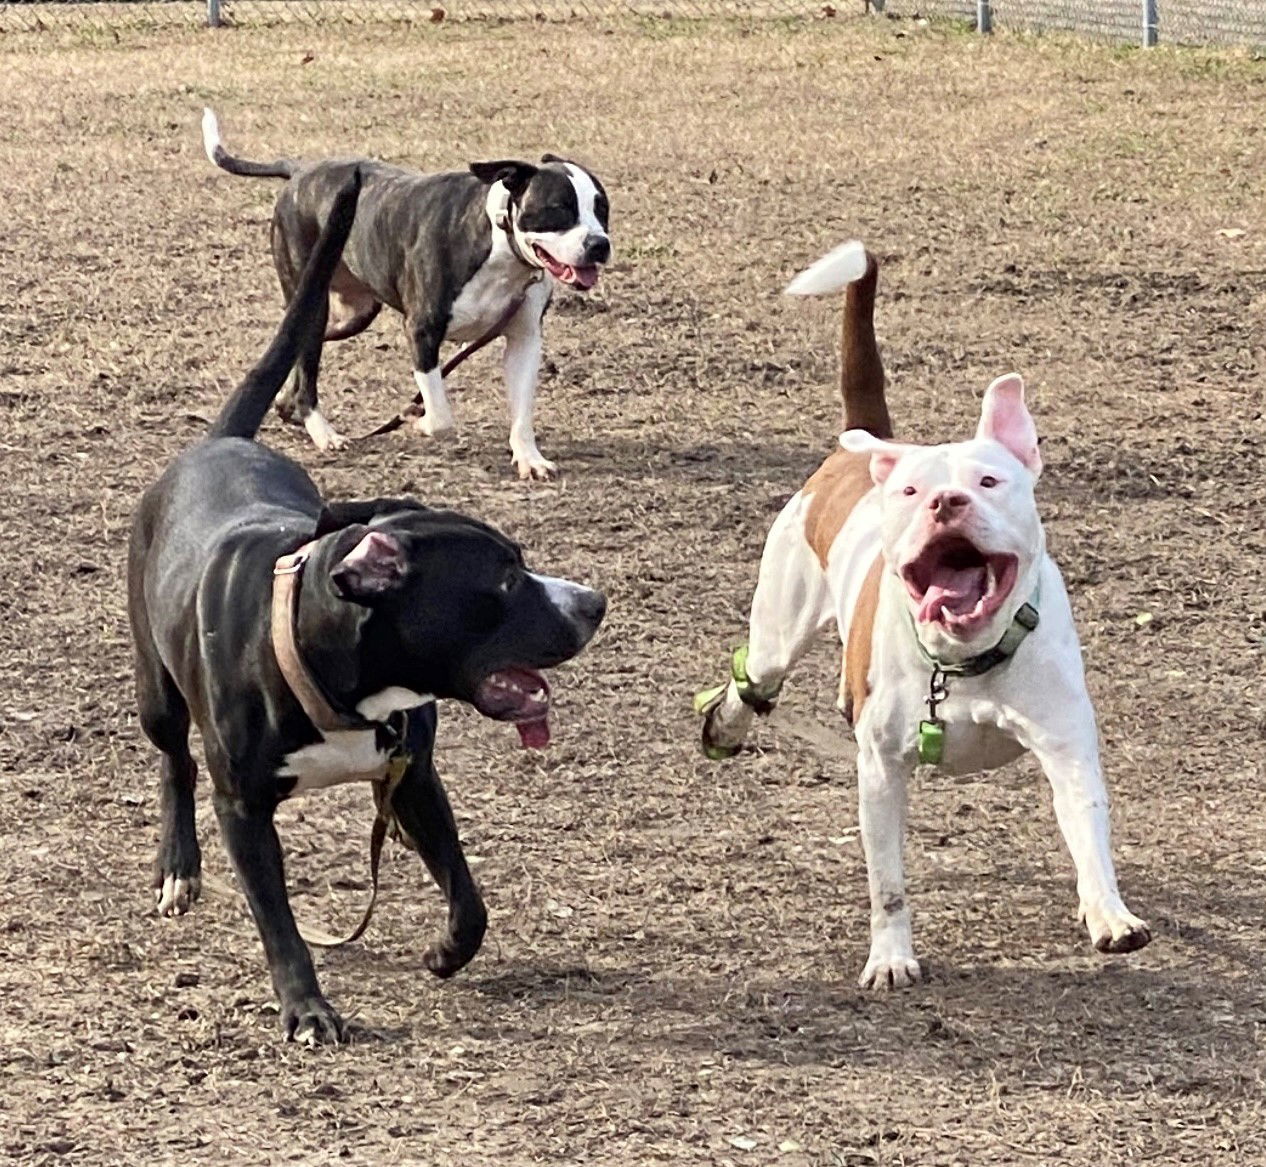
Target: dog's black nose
(597, 248)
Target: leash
(504, 221)
(931, 728)
(287, 577)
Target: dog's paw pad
(178, 894)
(312, 1022)
(890, 972)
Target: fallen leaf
(1232, 232)
(789, 1145)
(743, 1142)
(437, 14)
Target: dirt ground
(670, 972)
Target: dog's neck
(505, 227)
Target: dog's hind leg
(422, 808)
(165, 719)
(791, 605)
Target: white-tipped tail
(836, 269)
(211, 134)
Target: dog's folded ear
(375, 566)
(552, 158)
(335, 516)
(516, 175)
(884, 455)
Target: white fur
(324, 436)
(438, 418)
(521, 364)
(177, 895)
(844, 265)
(1037, 702)
(348, 755)
(210, 133)
(567, 597)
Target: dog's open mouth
(582, 278)
(518, 695)
(957, 585)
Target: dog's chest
(977, 737)
(343, 756)
(488, 295)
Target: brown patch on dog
(835, 488)
(855, 682)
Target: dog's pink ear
(884, 456)
(374, 566)
(1005, 419)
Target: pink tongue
(958, 591)
(585, 277)
(533, 735)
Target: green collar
(1024, 621)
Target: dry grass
(674, 944)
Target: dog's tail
(281, 168)
(303, 323)
(851, 266)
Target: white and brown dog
(959, 644)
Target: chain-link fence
(1226, 22)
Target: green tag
(931, 742)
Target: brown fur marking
(855, 683)
(835, 488)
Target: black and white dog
(391, 605)
(461, 255)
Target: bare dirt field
(670, 971)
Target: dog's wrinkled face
(561, 216)
(960, 526)
(453, 611)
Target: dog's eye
(988, 481)
(508, 583)
(911, 490)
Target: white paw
(891, 965)
(324, 436)
(531, 465)
(1113, 928)
(177, 895)
(433, 424)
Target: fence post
(1151, 23)
(213, 13)
(984, 16)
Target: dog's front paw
(324, 436)
(1113, 928)
(311, 1021)
(891, 965)
(532, 466)
(433, 423)
(178, 894)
